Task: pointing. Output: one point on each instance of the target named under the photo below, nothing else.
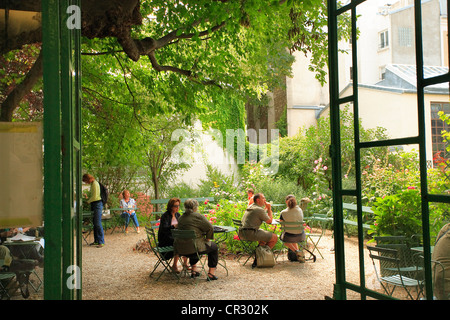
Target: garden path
(117, 271)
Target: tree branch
(160, 68)
(9, 105)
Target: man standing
(97, 207)
(257, 213)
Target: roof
(403, 76)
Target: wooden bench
(351, 207)
(165, 201)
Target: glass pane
(435, 39)
(345, 55)
(347, 147)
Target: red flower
(206, 201)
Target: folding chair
(440, 282)
(408, 263)
(6, 278)
(23, 257)
(297, 227)
(190, 236)
(388, 260)
(438, 277)
(87, 226)
(159, 252)
(248, 246)
(321, 220)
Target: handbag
(292, 256)
(264, 257)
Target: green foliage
(398, 214)
(298, 153)
(392, 174)
(275, 189)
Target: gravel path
(117, 271)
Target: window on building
(384, 39)
(437, 125)
(405, 36)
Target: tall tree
(193, 44)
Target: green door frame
(62, 152)
(341, 284)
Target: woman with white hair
(204, 230)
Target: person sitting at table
(33, 251)
(127, 203)
(441, 253)
(293, 213)
(169, 221)
(204, 230)
(257, 213)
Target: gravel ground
(117, 271)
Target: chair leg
(315, 244)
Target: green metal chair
(6, 278)
(297, 227)
(248, 246)
(159, 252)
(321, 221)
(441, 290)
(189, 235)
(388, 259)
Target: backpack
(103, 193)
(264, 257)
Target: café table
(220, 235)
(25, 245)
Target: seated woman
(192, 220)
(127, 202)
(293, 213)
(169, 221)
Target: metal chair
(248, 246)
(321, 220)
(440, 290)
(6, 278)
(297, 227)
(190, 236)
(388, 259)
(159, 252)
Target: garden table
(222, 232)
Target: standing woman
(169, 221)
(129, 203)
(97, 207)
